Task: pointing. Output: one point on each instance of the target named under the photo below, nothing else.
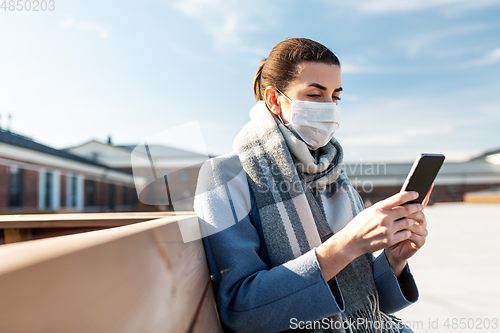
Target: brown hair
(280, 67)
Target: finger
(418, 240)
(419, 217)
(419, 230)
(403, 224)
(411, 224)
(428, 196)
(398, 199)
(406, 210)
(400, 236)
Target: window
(90, 192)
(15, 186)
(72, 197)
(48, 189)
(71, 188)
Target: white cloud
(394, 6)
(187, 53)
(70, 22)
(227, 21)
(489, 58)
(432, 42)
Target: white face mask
(313, 122)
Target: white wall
(41, 188)
(56, 189)
(80, 191)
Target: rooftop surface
(458, 270)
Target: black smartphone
(422, 175)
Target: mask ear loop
(283, 94)
(279, 116)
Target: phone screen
(422, 175)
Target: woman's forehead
(318, 74)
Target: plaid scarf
(288, 182)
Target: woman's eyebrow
(319, 86)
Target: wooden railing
(23, 227)
(138, 277)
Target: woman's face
(316, 82)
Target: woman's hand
(384, 225)
(398, 254)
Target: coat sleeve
(394, 294)
(252, 296)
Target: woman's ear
(271, 99)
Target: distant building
(180, 166)
(374, 181)
(492, 157)
(38, 178)
(377, 181)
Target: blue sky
(418, 75)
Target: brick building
(180, 166)
(38, 178)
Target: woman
(290, 245)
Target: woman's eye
(336, 98)
(314, 95)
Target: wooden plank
(17, 235)
(186, 263)
(57, 232)
(207, 319)
(88, 216)
(135, 278)
(80, 220)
